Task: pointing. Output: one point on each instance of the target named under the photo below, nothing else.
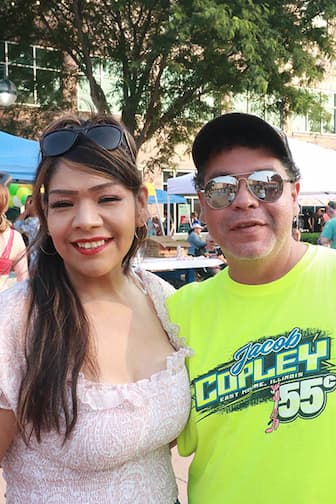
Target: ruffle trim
(102, 396)
(155, 288)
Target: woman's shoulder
(155, 286)
(159, 291)
(17, 239)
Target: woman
(12, 247)
(93, 387)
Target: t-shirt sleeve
(327, 231)
(12, 361)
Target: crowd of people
(103, 366)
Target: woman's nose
(87, 215)
(244, 198)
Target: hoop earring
(144, 225)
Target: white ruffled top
(118, 451)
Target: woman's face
(91, 219)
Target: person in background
(12, 248)
(197, 244)
(310, 221)
(263, 373)
(27, 223)
(325, 217)
(93, 386)
(194, 219)
(318, 221)
(150, 227)
(328, 235)
(213, 250)
(157, 225)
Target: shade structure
(162, 197)
(19, 157)
(318, 174)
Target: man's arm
(324, 241)
(327, 235)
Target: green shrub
(310, 237)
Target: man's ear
(142, 212)
(295, 189)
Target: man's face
(248, 228)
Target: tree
(175, 59)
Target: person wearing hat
(328, 235)
(197, 244)
(263, 373)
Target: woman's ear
(142, 212)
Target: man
(263, 374)
(328, 235)
(197, 244)
(194, 218)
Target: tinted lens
(106, 136)
(221, 191)
(265, 185)
(58, 142)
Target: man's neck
(265, 270)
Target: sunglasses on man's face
(62, 140)
(265, 185)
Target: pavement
(180, 464)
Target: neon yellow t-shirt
(263, 382)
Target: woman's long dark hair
(57, 337)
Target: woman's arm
(8, 430)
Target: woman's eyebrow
(95, 188)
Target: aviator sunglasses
(265, 185)
(57, 142)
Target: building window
(107, 75)
(36, 72)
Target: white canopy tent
(318, 174)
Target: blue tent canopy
(19, 157)
(163, 197)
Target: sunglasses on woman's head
(57, 142)
(265, 185)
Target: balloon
(13, 188)
(22, 194)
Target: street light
(8, 92)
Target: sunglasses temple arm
(129, 146)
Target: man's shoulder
(324, 257)
(331, 223)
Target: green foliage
(173, 59)
(310, 237)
